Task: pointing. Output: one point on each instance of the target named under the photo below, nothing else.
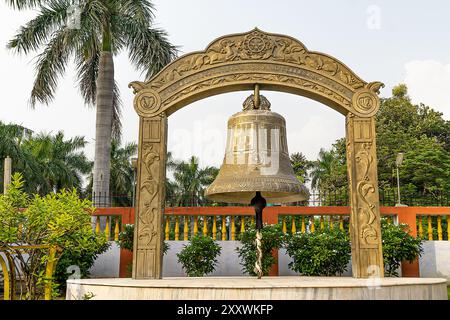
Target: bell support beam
(365, 230)
(148, 237)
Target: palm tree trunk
(105, 88)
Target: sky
(389, 41)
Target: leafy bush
(398, 246)
(322, 253)
(200, 256)
(126, 239)
(59, 219)
(272, 238)
(82, 260)
(327, 252)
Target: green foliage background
(398, 246)
(420, 132)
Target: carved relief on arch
(365, 101)
(255, 45)
(311, 85)
(275, 60)
(147, 103)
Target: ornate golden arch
(275, 62)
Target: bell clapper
(259, 203)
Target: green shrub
(126, 239)
(83, 260)
(398, 246)
(327, 252)
(322, 253)
(60, 219)
(199, 257)
(272, 238)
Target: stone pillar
(365, 229)
(7, 173)
(151, 171)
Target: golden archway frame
(279, 63)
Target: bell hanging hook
(256, 97)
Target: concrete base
(267, 288)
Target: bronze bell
(256, 158)
(256, 168)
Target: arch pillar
(365, 229)
(150, 195)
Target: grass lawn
(448, 292)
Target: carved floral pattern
(366, 207)
(149, 188)
(255, 45)
(228, 58)
(259, 77)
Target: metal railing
(332, 197)
(225, 223)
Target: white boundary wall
(434, 263)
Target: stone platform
(267, 288)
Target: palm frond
(51, 64)
(117, 114)
(25, 4)
(87, 70)
(37, 31)
(95, 11)
(140, 10)
(148, 48)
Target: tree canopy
(48, 162)
(417, 130)
(115, 26)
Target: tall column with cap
(7, 173)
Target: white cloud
(319, 131)
(428, 81)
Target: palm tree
(61, 163)
(300, 165)
(321, 169)
(172, 189)
(122, 174)
(105, 28)
(12, 136)
(191, 181)
(11, 144)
